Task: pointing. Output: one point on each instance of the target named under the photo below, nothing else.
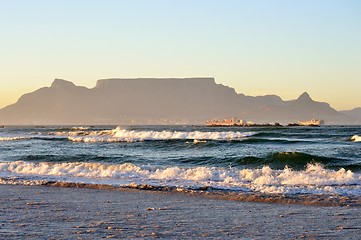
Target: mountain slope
(302, 108)
(354, 113)
(156, 101)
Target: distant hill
(157, 101)
(354, 113)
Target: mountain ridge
(354, 113)
(158, 101)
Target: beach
(44, 212)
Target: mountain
(156, 101)
(354, 113)
(303, 108)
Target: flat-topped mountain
(157, 101)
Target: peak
(304, 97)
(60, 83)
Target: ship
(234, 122)
(310, 123)
(224, 123)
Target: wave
(92, 135)
(253, 140)
(19, 138)
(54, 158)
(123, 135)
(13, 138)
(279, 160)
(80, 128)
(356, 138)
(313, 180)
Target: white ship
(312, 122)
(234, 122)
(224, 122)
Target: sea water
(288, 161)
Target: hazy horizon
(258, 48)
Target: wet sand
(43, 212)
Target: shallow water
(261, 160)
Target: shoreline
(323, 200)
(87, 213)
(299, 199)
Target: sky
(257, 47)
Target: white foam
(13, 138)
(124, 135)
(80, 128)
(356, 138)
(313, 180)
(15, 181)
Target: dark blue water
(262, 159)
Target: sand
(43, 212)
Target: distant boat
(224, 122)
(234, 122)
(311, 123)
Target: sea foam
(356, 138)
(313, 180)
(124, 135)
(13, 138)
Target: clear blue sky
(257, 47)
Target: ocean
(319, 163)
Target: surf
(315, 179)
(356, 138)
(123, 135)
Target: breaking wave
(356, 138)
(13, 138)
(314, 179)
(294, 160)
(83, 134)
(123, 135)
(80, 128)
